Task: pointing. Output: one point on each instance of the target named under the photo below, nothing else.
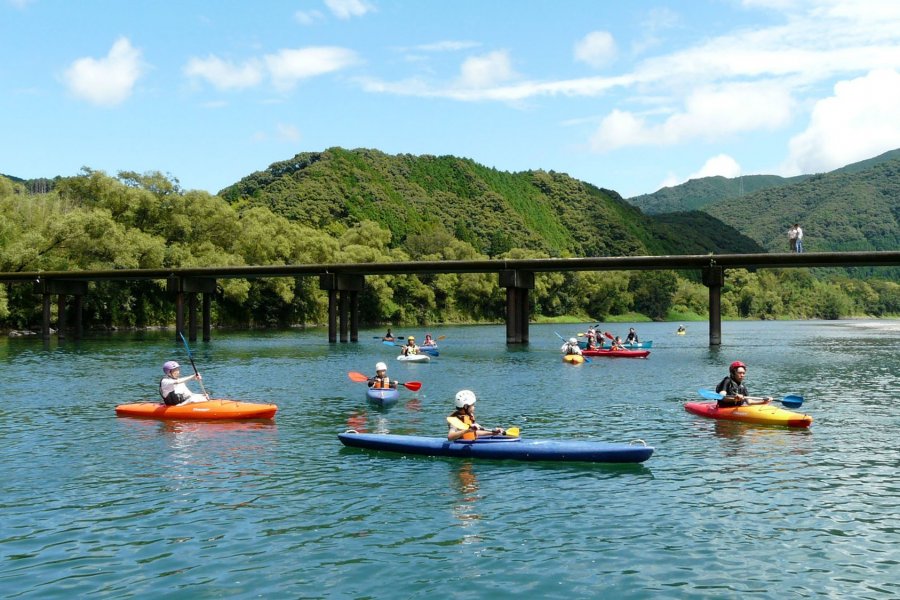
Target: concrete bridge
(344, 281)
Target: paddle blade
(792, 401)
(609, 335)
(513, 432)
(442, 337)
(357, 377)
(710, 395)
(412, 385)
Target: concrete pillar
(714, 279)
(517, 284)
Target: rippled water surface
(103, 506)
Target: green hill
(698, 194)
(839, 211)
(493, 210)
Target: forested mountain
(428, 197)
(839, 211)
(698, 194)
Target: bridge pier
(188, 288)
(517, 284)
(714, 279)
(343, 304)
(61, 288)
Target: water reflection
(465, 483)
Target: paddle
(457, 422)
(191, 357)
(790, 400)
(410, 385)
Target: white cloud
(487, 70)
(289, 66)
(287, 133)
(447, 46)
(708, 113)
(345, 9)
(308, 17)
(106, 81)
(860, 120)
(719, 165)
(597, 49)
(225, 75)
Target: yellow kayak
(761, 414)
(573, 359)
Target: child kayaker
(410, 348)
(381, 380)
(571, 347)
(733, 386)
(172, 387)
(462, 420)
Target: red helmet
(736, 364)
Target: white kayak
(414, 357)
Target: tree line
(146, 221)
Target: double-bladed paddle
(790, 400)
(191, 357)
(458, 423)
(360, 377)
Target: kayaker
(617, 344)
(632, 337)
(571, 347)
(462, 420)
(172, 387)
(381, 381)
(681, 329)
(410, 348)
(733, 385)
(429, 341)
(388, 337)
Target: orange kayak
(761, 414)
(212, 410)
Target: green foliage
(362, 206)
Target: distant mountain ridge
(856, 207)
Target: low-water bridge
(344, 281)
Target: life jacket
(381, 382)
(467, 421)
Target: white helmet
(380, 367)
(464, 398)
(573, 341)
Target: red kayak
(617, 353)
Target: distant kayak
(383, 395)
(211, 410)
(618, 353)
(414, 357)
(429, 350)
(501, 447)
(680, 332)
(573, 359)
(760, 414)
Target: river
(107, 507)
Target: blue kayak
(501, 447)
(383, 395)
(429, 350)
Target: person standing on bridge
(794, 235)
(799, 238)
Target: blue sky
(629, 96)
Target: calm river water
(100, 506)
